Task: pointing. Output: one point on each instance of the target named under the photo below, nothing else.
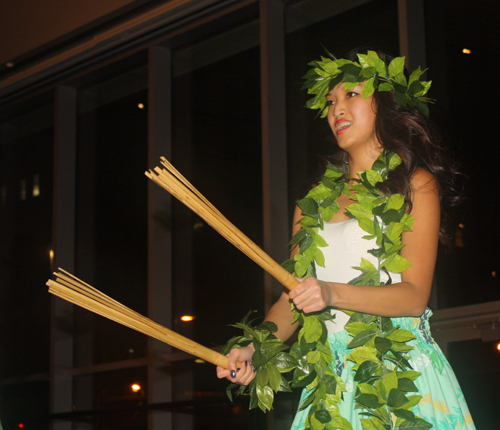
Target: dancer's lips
(341, 125)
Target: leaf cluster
(270, 362)
(324, 387)
(383, 374)
(327, 73)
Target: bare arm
(407, 298)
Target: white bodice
(345, 248)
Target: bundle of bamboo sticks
(74, 290)
(172, 180)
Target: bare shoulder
(424, 182)
(424, 194)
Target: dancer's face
(352, 118)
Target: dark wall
(27, 25)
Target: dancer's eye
(330, 102)
(351, 94)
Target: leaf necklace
(382, 371)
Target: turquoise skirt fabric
(442, 404)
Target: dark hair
(409, 133)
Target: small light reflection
(36, 185)
(135, 387)
(199, 360)
(498, 346)
(140, 105)
(461, 225)
(187, 318)
(494, 274)
(466, 51)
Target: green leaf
(368, 400)
(403, 413)
(396, 264)
(386, 324)
(323, 416)
(418, 424)
(365, 61)
(369, 424)
(366, 370)
(410, 374)
(400, 347)
(350, 85)
(368, 88)
(274, 376)
(309, 207)
(382, 344)
(406, 385)
(262, 376)
(373, 177)
(258, 357)
(319, 192)
(362, 354)
(284, 361)
(395, 201)
(301, 265)
(361, 317)
(362, 338)
(401, 335)
(396, 66)
(330, 383)
(284, 385)
(385, 86)
(396, 398)
(265, 396)
(354, 328)
(312, 329)
(413, 400)
(289, 265)
(390, 381)
(313, 357)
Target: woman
(366, 123)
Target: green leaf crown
(327, 73)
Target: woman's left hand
(311, 295)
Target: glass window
(111, 207)
(26, 163)
(459, 48)
(217, 146)
(477, 366)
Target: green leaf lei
(383, 374)
(329, 72)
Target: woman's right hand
(245, 373)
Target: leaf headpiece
(327, 73)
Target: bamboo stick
(74, 290)
(171, 180)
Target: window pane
(469, 272)
(111, 238)
(26, 153)
(217, 146)
(476, 364)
